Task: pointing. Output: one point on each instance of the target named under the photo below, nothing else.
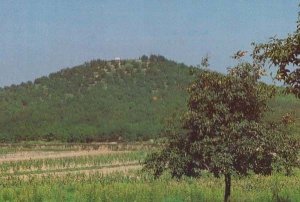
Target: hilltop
(96, 101)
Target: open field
(112, 172)
(54, 171)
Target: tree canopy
(223, 131)
(285, 55)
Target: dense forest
(98, 100)
(103, 101)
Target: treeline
(97, 101)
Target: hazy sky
(38, 37)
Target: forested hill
(97, 101)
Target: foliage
(97, 101)
(224, 130)
(103, 101)
(284, 54)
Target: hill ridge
(96, 101)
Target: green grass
(282, 104)
(141, 187)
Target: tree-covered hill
(99, 100)
(104, 101)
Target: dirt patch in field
(106, 171)
(33, 155)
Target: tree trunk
(227, 187)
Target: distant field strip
(104, 170)
(34, 155)
(102, 160)
(112, 146)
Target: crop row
(13, 167)
(61, 147)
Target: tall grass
(138, 186)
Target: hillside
(104, 101)
(99, 100)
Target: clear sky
(38, 37)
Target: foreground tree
(284, 54)
(223, 131)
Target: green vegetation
(97, 101)
(224, 132)
(224, 128)
(103, 101)
(139, 187)
(61, 179)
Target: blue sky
(42, 36)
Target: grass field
(112, 172)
